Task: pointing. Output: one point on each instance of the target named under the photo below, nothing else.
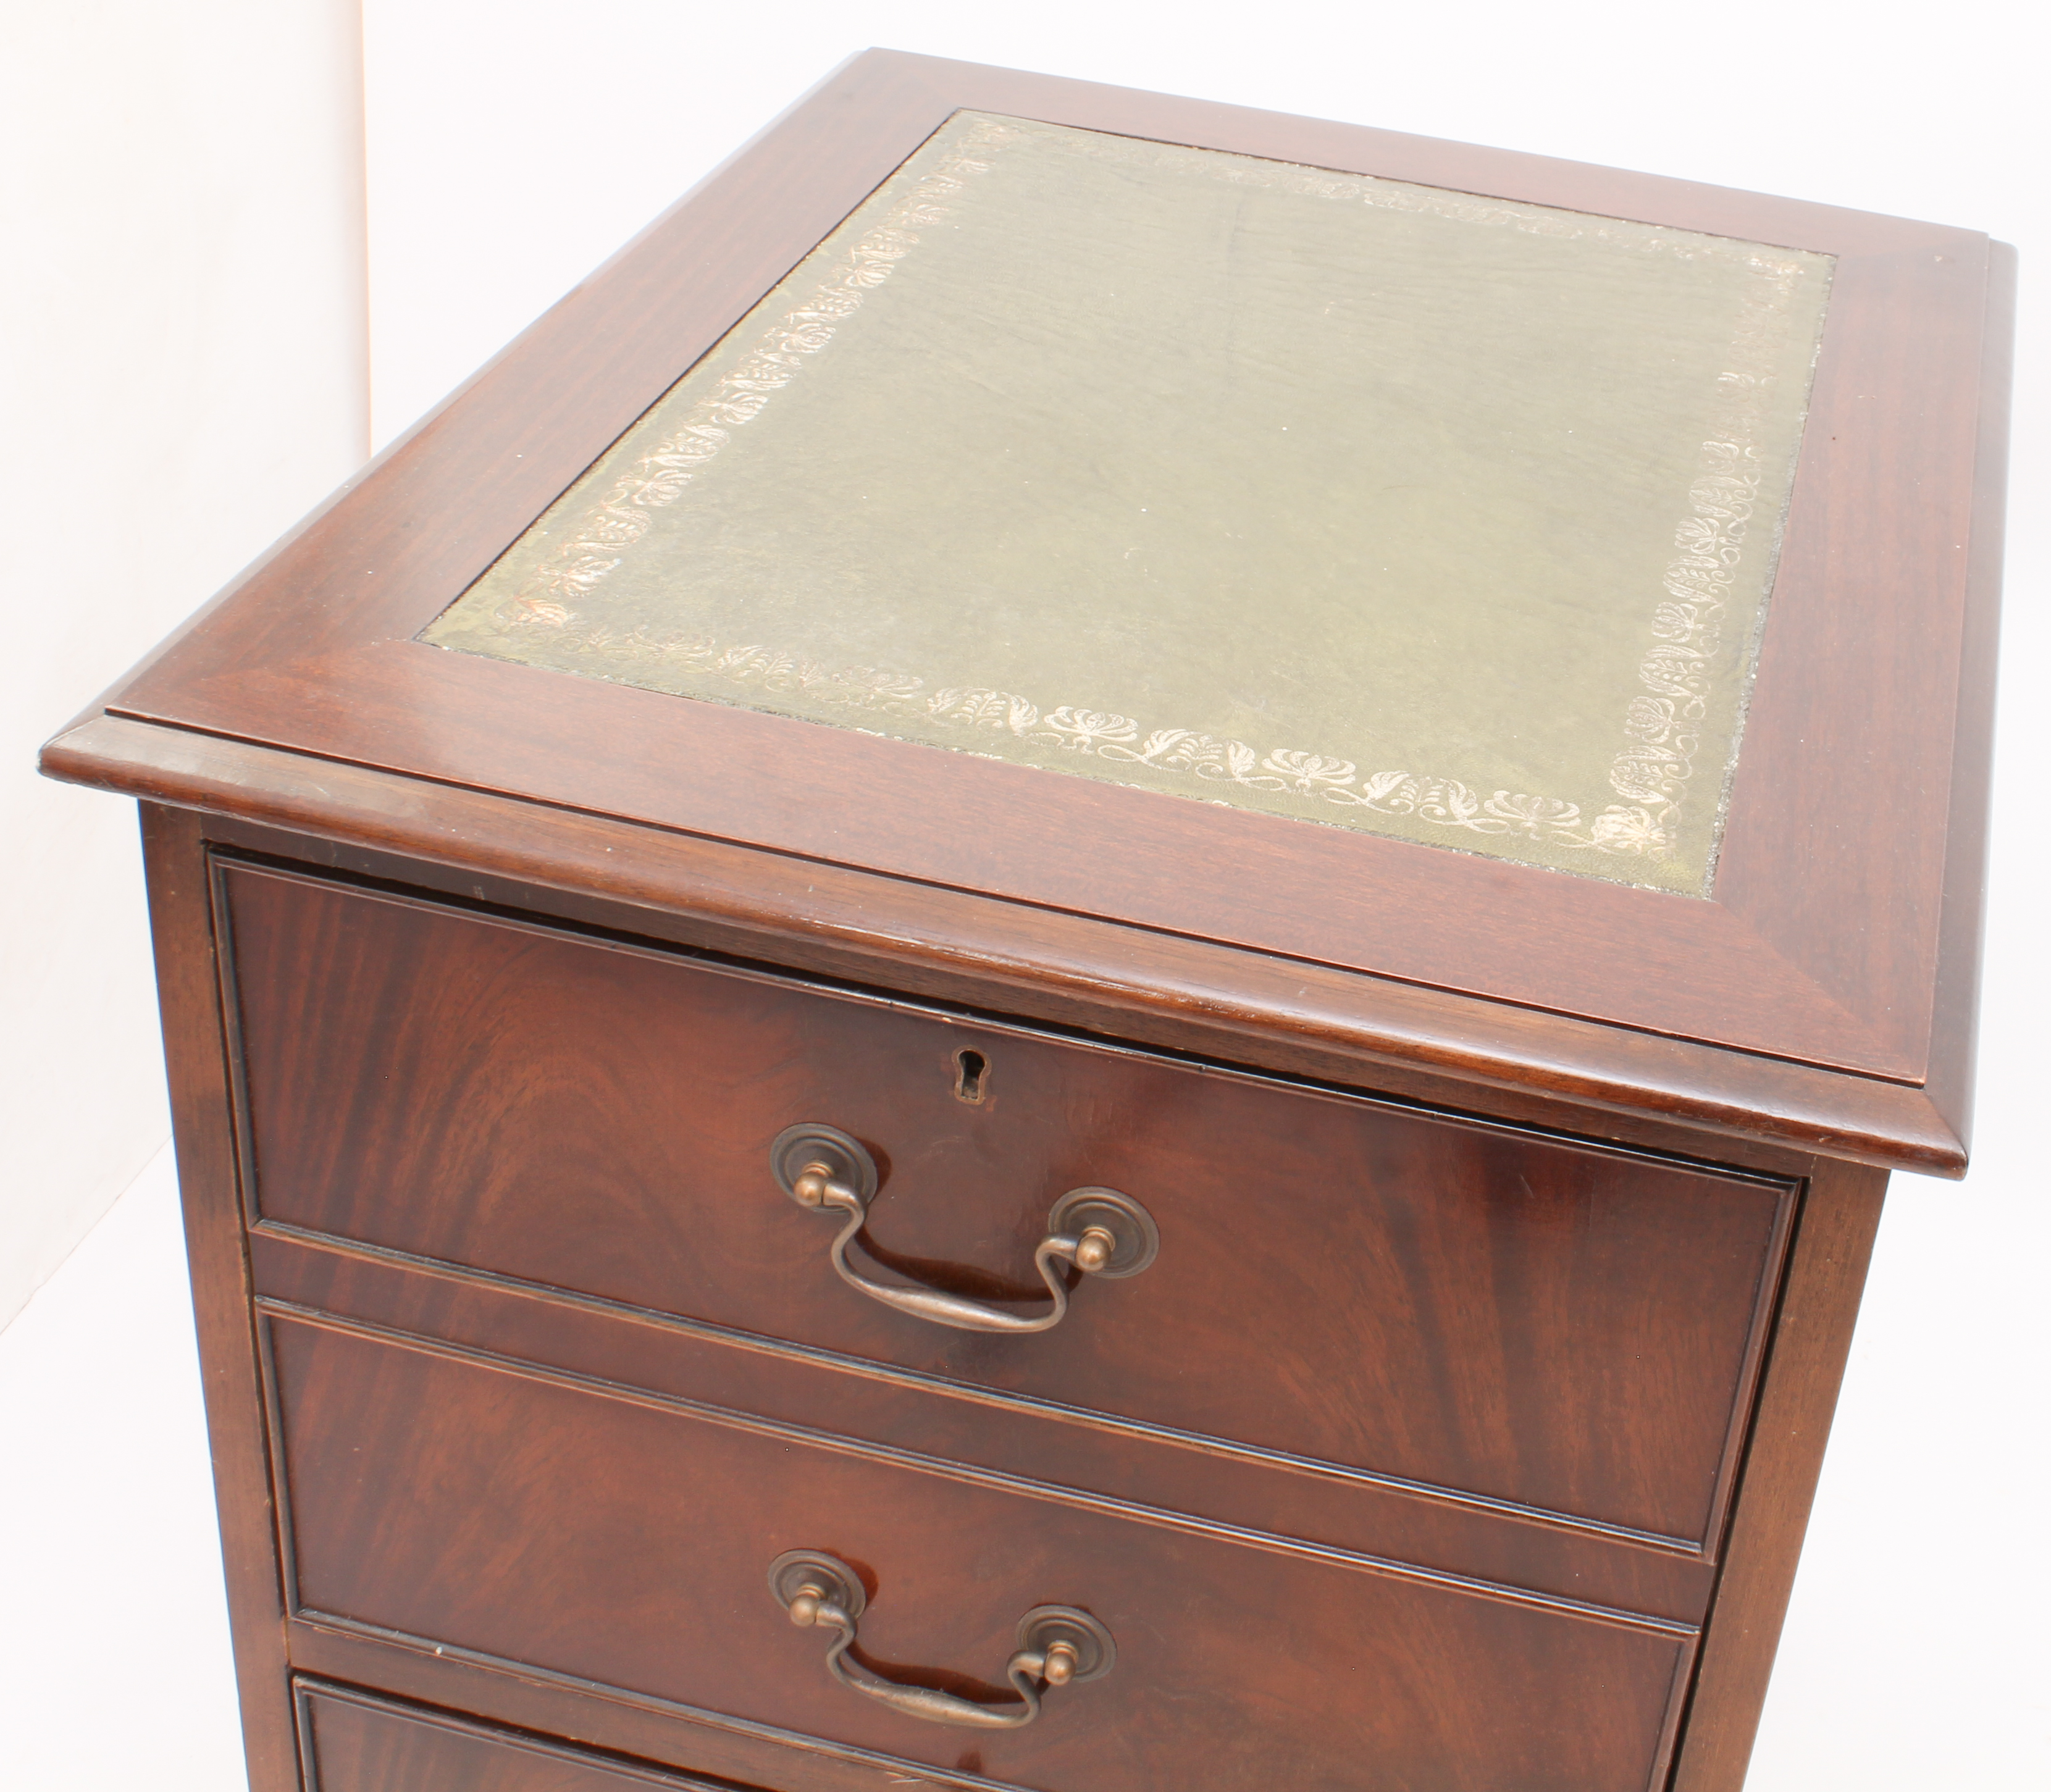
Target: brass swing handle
(1057, 1646)
(1101, 1231)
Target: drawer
(599, 1537)
(357, 1743)
(1387, 1291)
(1126, 1465)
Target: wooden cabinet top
(1154, 559)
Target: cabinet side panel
(188, 985)
(1798, 1393)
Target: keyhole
(971, 1069)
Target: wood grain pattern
(1955, 1003)
(1827, 1273)
(1822, 944)
(1065, 1447)
(357, 1743)
(525, 1520)
(1567, 1328)
(1071, 970)
(188, 993)
(736, 1753)
(1434, 1442)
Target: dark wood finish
(1826, 1272)
(357, 1743)
(1479, 1309)
(733, 1752)
(189, 994)
(1182, 994)
(1104, 1462)
(515, 1514)
(1955, 1006)
(1826, 1266)
(1822, 943)
(1436, 1446)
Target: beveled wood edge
(1833, 852)
(1773, 980)
(306, 1689)
(1522, 176)
(1955, 1006)
(209, 1190)
(496, 1690)
(1180, 994)
(1180, 1034)
(1812, 1339)
(284, 1546)
(1759, 1342)
(276, 1235)
(1674, 1720)
(270, 1311)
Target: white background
(182, 374)
(185, 352)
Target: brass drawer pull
(1099, 1231)
(1058, 1646)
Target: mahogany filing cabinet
(1082, 956)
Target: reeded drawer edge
(889, 1770)
(309, 1694)
(947, 1387)
(941, 1468)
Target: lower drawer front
(503, 1509)
(359, 1744)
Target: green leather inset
(1374, 504)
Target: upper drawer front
(506, 1510)
(1566, 1327)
